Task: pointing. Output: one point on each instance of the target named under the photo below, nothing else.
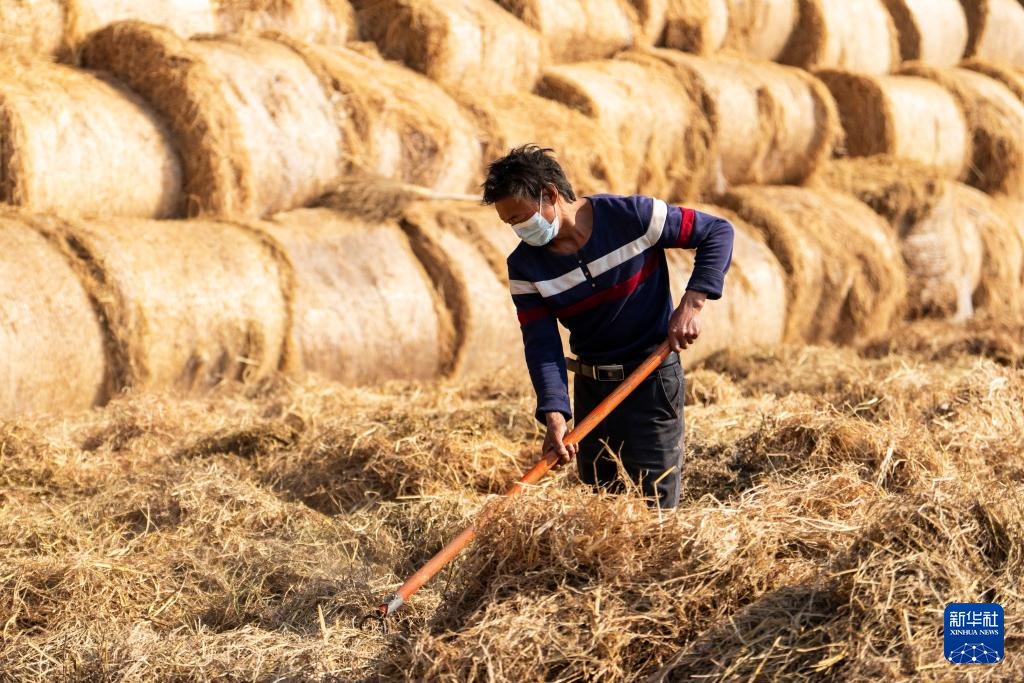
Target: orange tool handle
(438, 561)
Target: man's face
(514, 210)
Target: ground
(836, 500)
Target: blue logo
(974, 633)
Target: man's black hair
(523, 173)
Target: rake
(438, 561)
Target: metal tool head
(380, 615)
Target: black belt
(612, 373)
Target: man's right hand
(553, 441)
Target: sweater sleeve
(545, 357)
(710, 236)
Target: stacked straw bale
(452, 241)
(651, 16)
(363, 308)
(942, 251)
(752, 312)
(592, 160)
(760, 29)
(32, 27)
(256, 129)
(76, 142)
(1011, 77)
(930, 31)
(846, 279)
(1013, 209)
(858, 36)
(330, 22)
(699, 26)
(462, 44)
(57, 28)
(665, 139)
(996, 121)
(51, 342)
(579, 30)
(396, 122)
(772, 124)
(953, 236)
(999, 290)
(902, 116)
(184, 17)
(996, 30)
(189, 304)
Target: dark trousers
(645, 432)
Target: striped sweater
(613, 294)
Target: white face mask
(536, 230)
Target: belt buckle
(609, 373)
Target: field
(834, 502)
(259, 360)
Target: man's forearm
(713, 258)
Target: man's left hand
(684, 326)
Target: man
(597, 265)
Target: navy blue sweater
(613, 294)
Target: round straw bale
(591, 159)
(51, 342)
(578, 30)
(32, 27)
(772, 124)
(930, 31)
(56, 28)
(256, 130)
(650, 16)
(1011, 77)
(330, 22)
(1002, 250)
(189, 303)
(76, 142)
(183, 17)
(996, 30)
(450, 240)
(942, 253)
(1013, 209)
(903, 116)
(364, 310)
(996, 121)
(665, 138)
(846, 278)
(698, 26)
(760, 29)
(396, 122)
(752, 312)
(859, 36)
(462, 44)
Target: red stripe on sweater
(615, 292)
(685, 228)
(533, 315)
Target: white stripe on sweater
(638, 246)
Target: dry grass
(835, 502)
